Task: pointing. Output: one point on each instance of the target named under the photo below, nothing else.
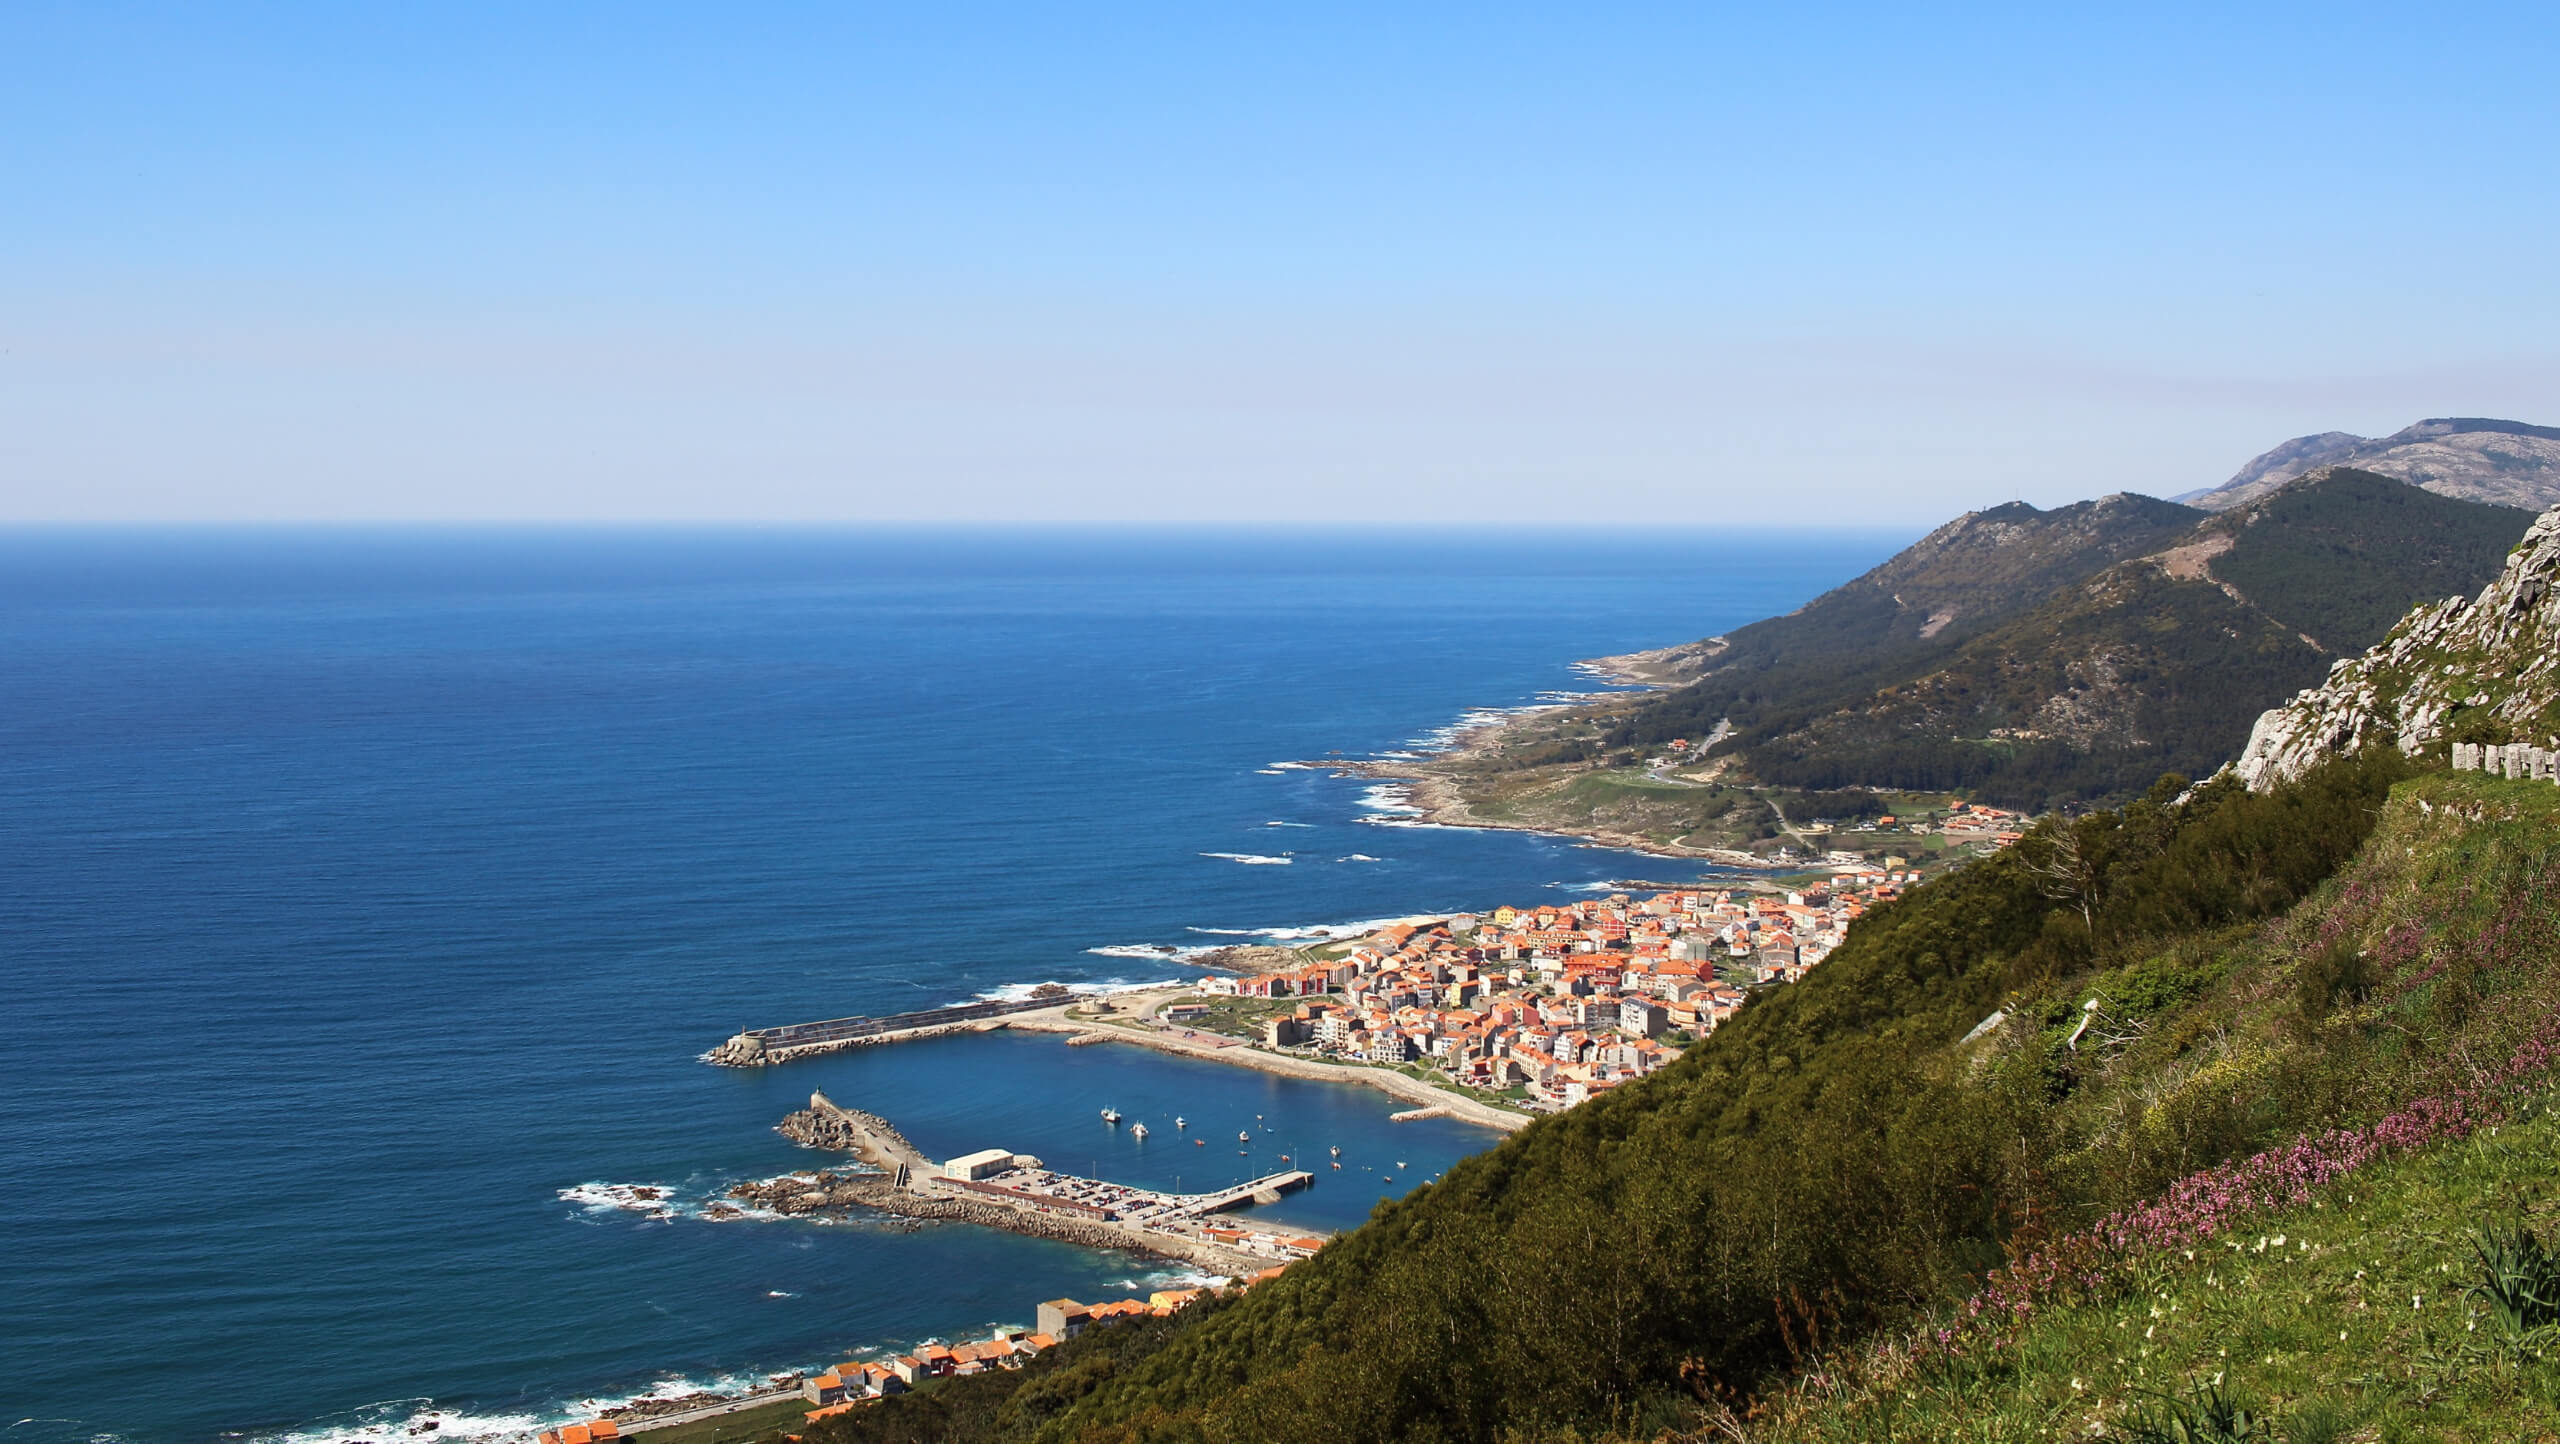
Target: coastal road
(711, 1411)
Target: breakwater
(867, 1136)
(828, 1194)
(1019, 1196)
(757, 1047)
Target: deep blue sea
(370, 893)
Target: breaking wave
(1394, 798)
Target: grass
(1237, 1017)
(758, 1422)
(2366, 1316)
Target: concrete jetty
(757, 1047)
(1002, 1189)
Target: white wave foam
(649, 1200)
(1394, 798)
(409, 1417)
(1179, 1278)
(1322, 932)
(1269, 772)
(1250, 859)
(1294, 767)
(780, 1294)
(1358, 857)
(1017, 992)
(1448, 735)
(1288, 824)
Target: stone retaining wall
(2514, 759)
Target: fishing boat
(1243, 1137)
(1137, 1130)
(1111, 1116)
(1177, 1121)
(1199, 1142)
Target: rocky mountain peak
(2474, 458)
(2479, 670)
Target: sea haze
(371, 893)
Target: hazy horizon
(1852, 265)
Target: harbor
(1017, 1192)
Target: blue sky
(1845, 263)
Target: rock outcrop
(2482, 671)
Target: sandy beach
(1133, 1023)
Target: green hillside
(2365, 1314)
(1952, 585)
(1851, 1157)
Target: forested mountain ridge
(1953, 584)
(2155, 662)
(2475, 458)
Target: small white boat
(1399, 1163)
(1337, 1150)
(1111, 1115)
(1137, 1130)
(1243, 1137)
(1177, 1120)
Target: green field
(761, 1422)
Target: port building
(985, 1163)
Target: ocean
(372, 892)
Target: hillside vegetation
(1839, 1165)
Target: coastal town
(857, 1381)
(1544, 1007)
(1492, 1017)
(843, 1387)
